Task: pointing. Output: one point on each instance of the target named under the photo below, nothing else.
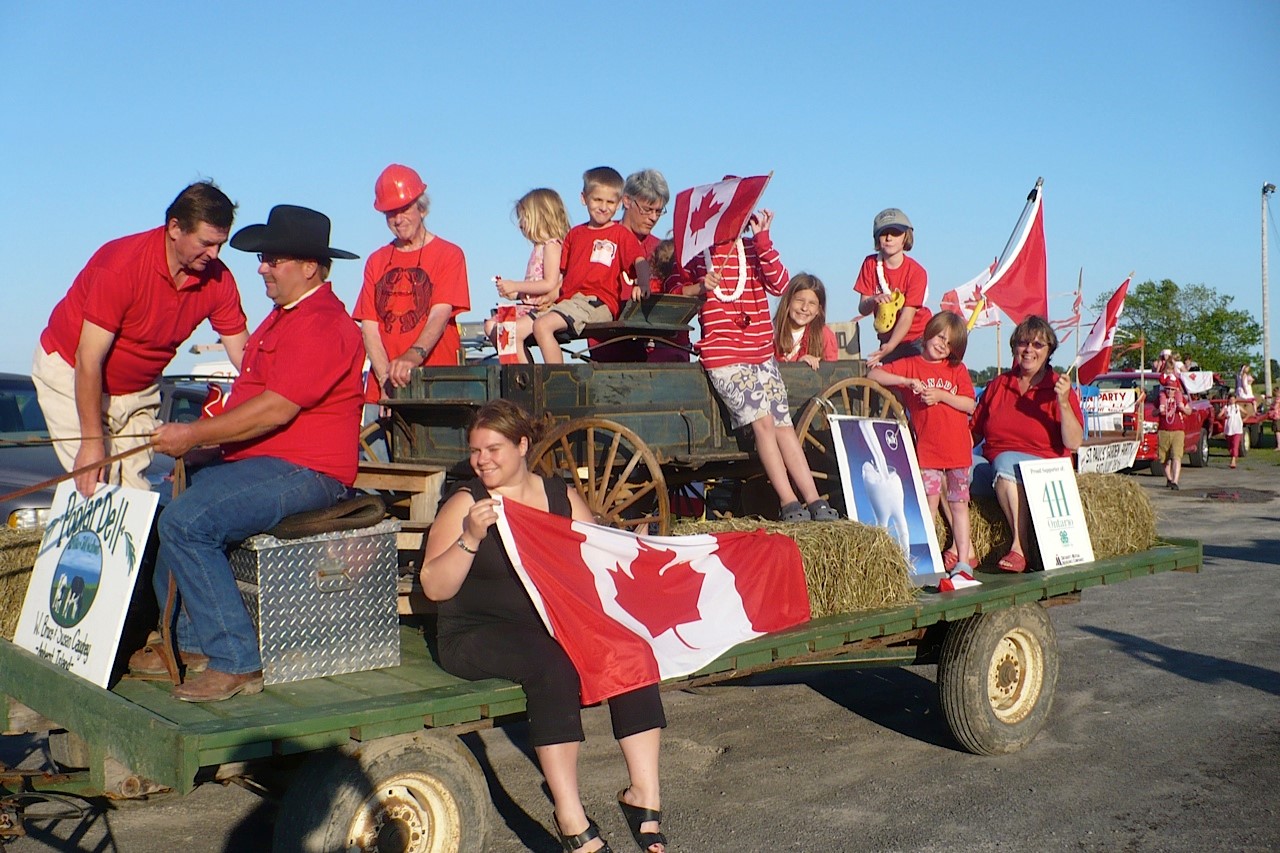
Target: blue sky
(1154, 126)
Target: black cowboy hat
(299, 232)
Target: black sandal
(637, 816)
(570, 843)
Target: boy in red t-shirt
(889, 277)
(936, 389)
(599, 258)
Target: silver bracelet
(463, 545)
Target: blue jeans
(1004, 466)
(226, 504)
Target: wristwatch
(422, 351)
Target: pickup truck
(1253, 424)
(1200, 424)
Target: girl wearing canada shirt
(939, 396)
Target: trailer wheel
(420, 794)
(996, 677)
(1198, 456)
(854, 396)
(612, 468)
(1246, 441)
(1254, 432)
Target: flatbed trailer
(376, 756)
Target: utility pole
(1267, 189)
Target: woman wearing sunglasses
(1029, 412)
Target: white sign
(84, 577)
(1056, 512)
(887, 490)
(1106, 458)
(1105, 412)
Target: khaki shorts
(1171, 444)
(579, 310)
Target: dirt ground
(1164, 735)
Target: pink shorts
(957, 483)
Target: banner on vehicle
(1106, 458)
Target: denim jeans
(1005, 466)
(226, 504)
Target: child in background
(735, 281)
(1233, 427)
(889, 277)
(940, 400)
(543, 220)
(664, 277)
(596, 262)
(800, 330)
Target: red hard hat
(396, 187)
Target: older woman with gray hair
(1030, 412)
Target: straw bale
(1117, 512)
(17, 555)
(848, 566)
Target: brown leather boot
(214, 686)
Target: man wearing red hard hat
(413, 288)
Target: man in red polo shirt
(98, 364)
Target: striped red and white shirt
(741, 331)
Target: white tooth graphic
(884, 489)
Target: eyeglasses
(1035, 345)
(649, 210)
(273, 261)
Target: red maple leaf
(701, 215)
(504, 338)
(658, 592)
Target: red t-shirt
(399, 290)
(126, 289)
(910, 279)
(941, 431)
(741, 331)
(1028, 423)
(830, 349)
(594, 259)
(632, 351)
(1169, 417)
(312, 355)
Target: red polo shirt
(310, 354)
(1027, 423)
(126, 289)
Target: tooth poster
(83, 578)
(882, 486)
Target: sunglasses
(273, 261)
(1035, 345)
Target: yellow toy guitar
(887, 312)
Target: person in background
(888, 278)
(600, 259)
(800, 330)
(1244, 391)
(1028, 412)
(413, 289)
(1171, 410)
(735, 280)
(287, 437)
(98, 363)
(666, 279)
(1233, 427)
(939, 395)
(489, 628)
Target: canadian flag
(1019, 285)
(965, 299)
(215, 401)
(1094, 356)
(714, 213)
(634, 610)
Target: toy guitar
(887, 312)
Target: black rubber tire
(996, 676)
(423, 793)
(1157, 468)
(68, 750)
(1246, 442)
(1254, 431)
(1198, 456)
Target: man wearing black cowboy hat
(288, 437)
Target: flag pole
(997, 344)
(1079, 301)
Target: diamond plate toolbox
(323, 605)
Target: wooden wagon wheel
(612, 468)
(857, 396)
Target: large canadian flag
(1019, 286)
(1094, 356)
(714, 213)
(965, 299)
(634, 610)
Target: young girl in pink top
(939, 396)
(544, 221)
(800, 330)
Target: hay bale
(1117, 512)
(848, 566)
(18, 550)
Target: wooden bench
(423, 485)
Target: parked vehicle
(1253, 424)
(1200, 424)
(23, 463)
